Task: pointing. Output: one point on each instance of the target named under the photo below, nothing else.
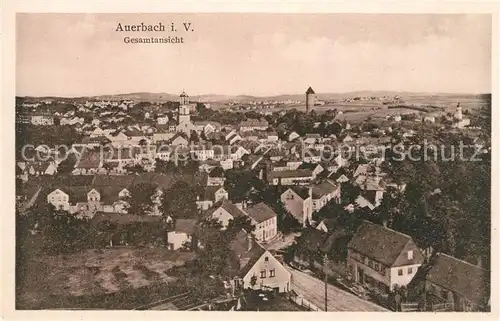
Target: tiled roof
(245, 259)
(380, 243)
(291, 173)
(319, 190)
(227, 206)
(260, 212)
(468, 280)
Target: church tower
(458, 113)
(184, 124)
(309, 99)
(183, 112)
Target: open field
(97, 272)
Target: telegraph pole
(326, 282)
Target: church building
(184, 124)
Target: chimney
(250, 242)
(244, 204)
(384, 223)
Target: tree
(59, 232)
(135, 169)
(162, 166)
(213, 258)
(349, 193)
(195, 138)
(239, 183)
(140, 200)
(179, 201)
(67, 165)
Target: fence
(442, 307)
(299, 300)
(409, 307)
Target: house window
(263, 274)
(400, 272)
(272, 273)
(410, 270)
(266, 259)
(410, 255)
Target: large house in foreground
(382, 258)
(255, 267)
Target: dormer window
(410, 255)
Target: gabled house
(37, 168)
(327, 225)
(464, 286)
(210, 195)
(339, 178)
(254, 267)
(265, 221)
(215, 177)
(224, 211)
(59, 199)
(178, 140)
(382, 258)
(298, 201)
(292, 136)
(311, 139)
(323, 193)
(164, 132)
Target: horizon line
(258, 96)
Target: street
(313, 290)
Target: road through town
(313, 290)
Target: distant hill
(160, 97)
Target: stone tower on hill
(309, 99)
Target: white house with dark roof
(224, 211)
(382, 258)
(252, 264)
(323, 193)
(209, 195)
(265, 221)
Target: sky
(253, 54)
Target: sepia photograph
(308, 162)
